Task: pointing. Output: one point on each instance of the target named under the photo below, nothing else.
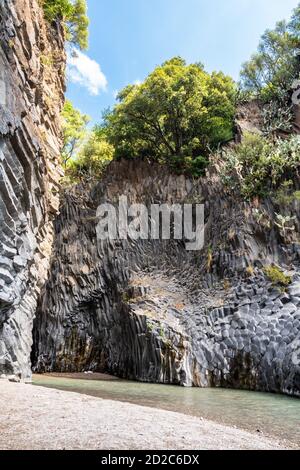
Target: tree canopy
(74, 130)
(92, 157)
(276, 64)
(73, 13)
(85, 152)
(179, 112)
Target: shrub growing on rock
(277, 277)
(258, 166)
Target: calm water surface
(274, 415)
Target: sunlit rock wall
(32, 63)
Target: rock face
(32, 65)
(248, 119)
(146, 310)
(152, 311)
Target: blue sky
(128, 38)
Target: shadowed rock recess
(152, 311)
(31, 94)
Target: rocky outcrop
(152, 311)
(31, 94)
(85, 320)
(146, 310)
(248, 119)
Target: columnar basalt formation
(146, 310)
(151, 311)
(32, 62)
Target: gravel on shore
(38, 418)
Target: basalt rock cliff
(152, 311)
(32, 66)
(147, 310)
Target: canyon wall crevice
(32, 70)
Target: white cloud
(137, 82)
(86, 72)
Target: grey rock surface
(31, 96)
(152, 311)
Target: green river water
(274, 415)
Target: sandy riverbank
(39, 418)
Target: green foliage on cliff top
(74, 131)
(258, 166)
(276, 63)
(271, 71)
(177, 116)
(92, 158)
(73, 13)
(85, 153)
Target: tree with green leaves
(276, 63)
(270, 73)
(93, 156)
(73, 14)
(178, 115)
(74, 125)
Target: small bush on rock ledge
(277, 277)
(258, 166)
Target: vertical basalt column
(31, 97)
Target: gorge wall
(150, 310)
(145, 310)
(32, 64)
